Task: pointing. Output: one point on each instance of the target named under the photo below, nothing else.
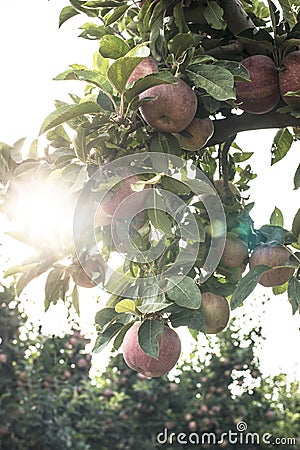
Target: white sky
(33, 51)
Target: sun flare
(41, 213)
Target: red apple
(169, 352)
(192, 426)
(272, 257)
(172, 108)
(235, 253)
(3, 358)
(216, 312)
(82, 363)
(119, 193)
(66, 375)
(145, 67)
(199, 131)
(219, 185)
(261, 94)
(89, 274)
(289, 78)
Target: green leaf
(237, 69)
(278, 290)
(296, 224)
(148, 82)
(216, 81)
(175, 186)
(179, 18)
(160, 220)
(241, 157)
(184, 292)
(289, 11)
(105, 316)
(16, 151)
(53, 287)
(106, 336)
(75, 300)
(121, 334)
(113, 47)
(66, 13)
(118, 281)
(147, 337)
(281, 144)
(92, 31)
(125, 306)
(119, 72)
(180, 43)
(115, 14)
(277, 218)
(294, 293)
(89, 76)
(80, 143)
(213, 14)
(247, 285)
(33, 272)
(297, 178)
(153, 300)
(273, 233)
(68, 112)
(156, 212)
(164, 143)
(104, 101)
(183, 317)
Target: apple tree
(148, 157)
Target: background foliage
(48, 401)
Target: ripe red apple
(261, 94)
(273, 257)
(84, 276)
(219, 185)
(119, 193)
(3, 358)
(169, 352)
(269, 414)
(145, 67)
(66, 375)
(73, 341)
(200, 131)
(192, 426)
(173, 107)
(235, 253)
(82, 363)
(289, 78)
(216, 312)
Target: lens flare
(41, 213)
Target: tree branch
(233, 124)
(235, 16)
(232, 51)
(237, 21)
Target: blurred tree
(48, 401)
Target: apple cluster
(268, 84)
(172, 108)
(216, 313)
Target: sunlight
(41, 213)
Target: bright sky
(33, 51)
